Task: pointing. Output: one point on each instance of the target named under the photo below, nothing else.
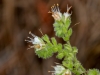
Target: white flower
(56, 14)
(67, 14)
(60, 70)
(36, 41)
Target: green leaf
(68, 47)
(93, 72)
(44, 53)
(46, 38)
(70, 65)
(66, 37)
(54, 41)
(68, 22)
(64, 30)
(56, 29)
(75, 50)
(57, 24)
(64, 64)
(59, 47)
(60, 55)
(58, 33)
(69, 32)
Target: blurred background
(18, 17)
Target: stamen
(32, 34)
(49, 12)
(53, 66)
(41, 31)
(68, 8)
(54, 8)
(51, 71)
(58, 7)
(28, 40)
(30, 47)
(57, 63)
(57, 4)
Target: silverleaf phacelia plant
(45, 47)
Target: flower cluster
(57, 15)
(60, 70)
(37, 42)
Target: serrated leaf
(64, 30)
(93, 72)
(68, 22)
(58, 33)
(56, 29)
(59, 47)
(75, 50)
(60, 55)
(54, 41)
(64, 64)
(56, 24)
(46, 38)
(69, 32)
(67, 46)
